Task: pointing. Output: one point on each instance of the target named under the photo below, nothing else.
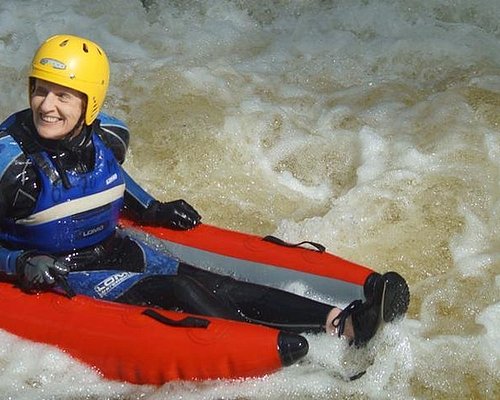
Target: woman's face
(57, 110)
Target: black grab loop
(188, 322)
(274, 239)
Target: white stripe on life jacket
(73, 207)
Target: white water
(371, 126)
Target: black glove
(175, 214)
(37, 271)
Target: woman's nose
(48, 102)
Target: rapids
(371, 126)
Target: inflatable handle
(273, 239)
(188, 322)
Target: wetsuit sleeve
(9, 172)
(8, 257)
(115, 134)
(7, 123)
(8, 260)
(137, 200)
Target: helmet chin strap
(78, 128)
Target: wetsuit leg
(262, 304)
(178, 293)
(201, 292)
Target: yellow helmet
(76, 63)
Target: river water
(371, 126)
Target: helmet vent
(63, 43)
(95, 106)
(85, 48)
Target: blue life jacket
(71, 218)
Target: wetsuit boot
(387, 298)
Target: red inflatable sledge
(150, 346)
(264, 260)
(145, 346)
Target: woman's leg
(387, 298)
(205, 293)
(261, 304)
(178, 293)
(202, 292)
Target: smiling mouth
(49, 119)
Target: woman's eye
(39, 92)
